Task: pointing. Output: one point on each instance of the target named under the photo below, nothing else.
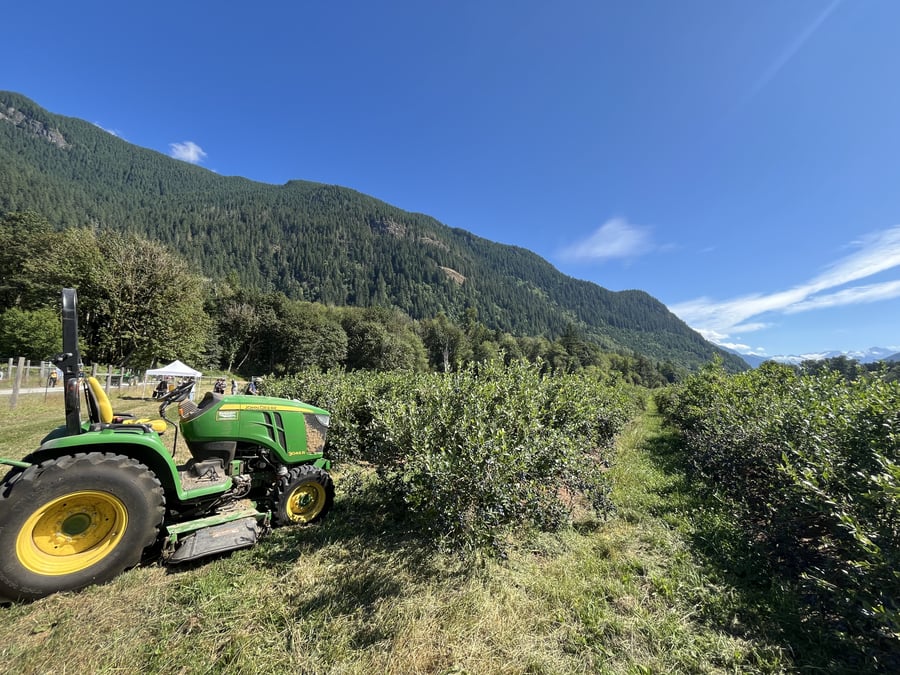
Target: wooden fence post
(17, 383)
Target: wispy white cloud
(849, 296)
(719, 321)
(616, 238)
(187, 152)
(751, 327)
(114, 132)
(877, 252)
(743, 348)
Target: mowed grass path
(361, 593)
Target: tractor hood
(293, 429)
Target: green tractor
(99, 495)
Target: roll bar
(69, 360)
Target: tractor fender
(146, 448)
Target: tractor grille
(315, 434)
(187, 408)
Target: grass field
(361, 593)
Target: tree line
(140, 303)
(851, 369)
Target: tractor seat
(101, 411)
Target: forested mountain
(316, 242)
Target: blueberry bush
(478, 454)
(810, 464)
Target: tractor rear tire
(74, 521)
(306, 494)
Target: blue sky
(738, 160)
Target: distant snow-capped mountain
(866, 356)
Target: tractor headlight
(324, 420)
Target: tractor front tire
(306, 494)
(74, 521)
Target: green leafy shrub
(810, 464)
(357, 401)
(478, 453)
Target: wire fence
(44, 376)
(44, 373)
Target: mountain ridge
(316, 241)
(870, 355)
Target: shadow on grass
(759, 601)
(365, 518)
(369, 552)
(359, 595)
(363, 524)
(373, 553)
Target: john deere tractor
(101, 493)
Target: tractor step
(206, 476)
(216, 539)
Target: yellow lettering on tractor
(266, 406)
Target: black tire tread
(300, 473)
(18, 488)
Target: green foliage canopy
(35, 334)
(137, 301)
(811, 465)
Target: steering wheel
(179, 393)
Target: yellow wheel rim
(306, 502)
(71, 533)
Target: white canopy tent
(174, 369)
